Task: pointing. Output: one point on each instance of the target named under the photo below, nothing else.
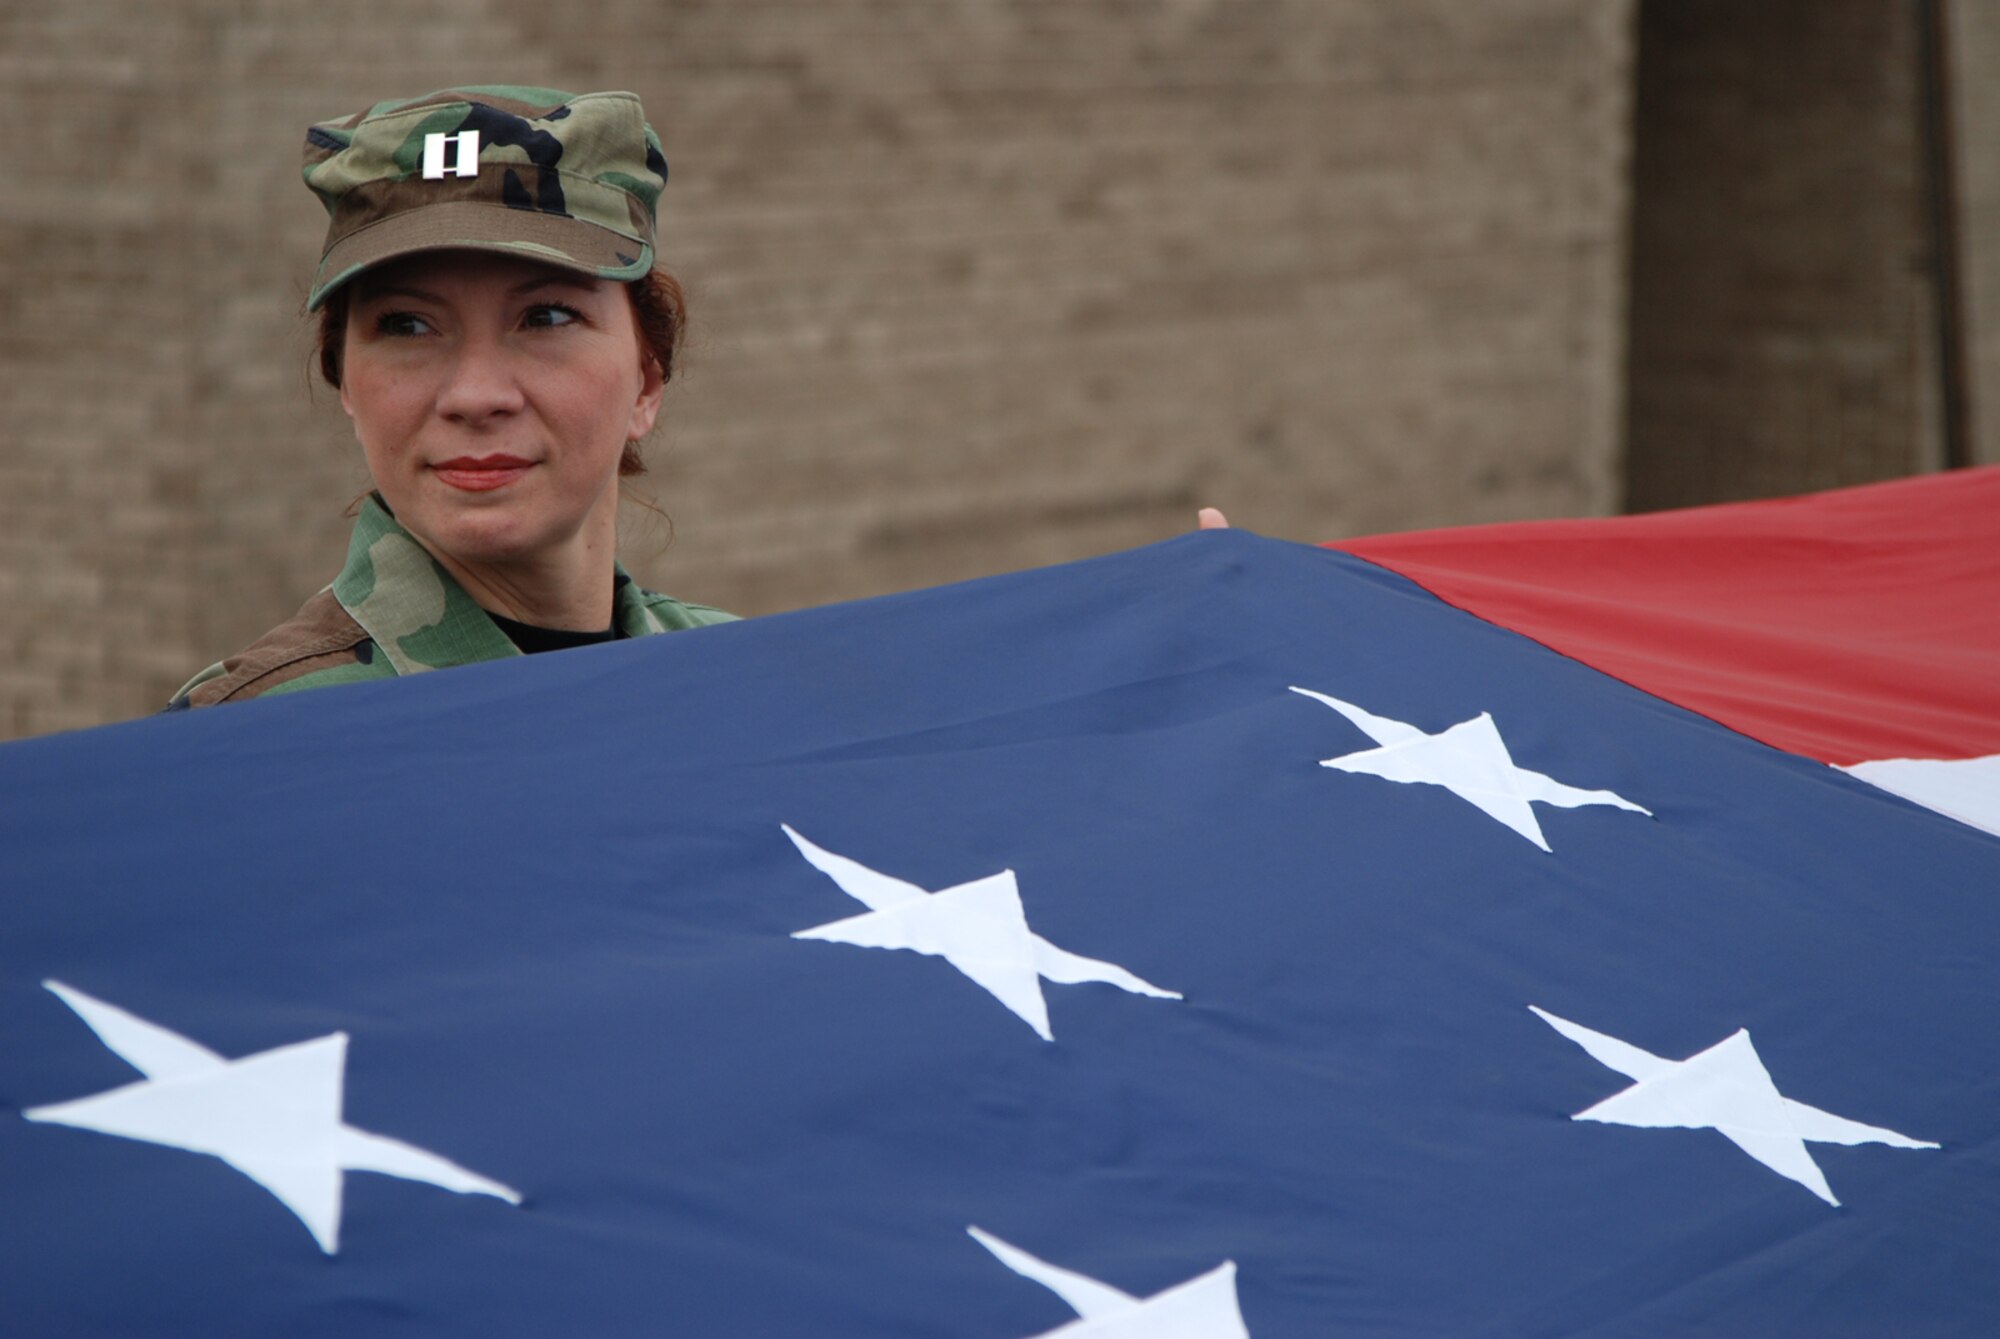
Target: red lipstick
(481, 474)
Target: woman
(491, 317)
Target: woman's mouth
(481, 474)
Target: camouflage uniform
(392, 611)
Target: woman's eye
(401, 323)
(549, 314)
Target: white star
(1727, 1089)
(978, 927)
(274, 1116)
(1202, 1308)
(1470, 760)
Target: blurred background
(984, 284)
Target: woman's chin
(524, 523)
(491, 538)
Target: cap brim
(553, 239)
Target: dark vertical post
(1940, 156)
(1792, 322)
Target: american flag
(1225, 938)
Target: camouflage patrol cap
(566, 178)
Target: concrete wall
(978, 284)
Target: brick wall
(978, 284)
(96, 466)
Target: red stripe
(1857, 624)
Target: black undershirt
(529, 639)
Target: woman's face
(492, 397)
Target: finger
(1211, 518)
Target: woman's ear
(651, 387)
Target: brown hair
(658, 306)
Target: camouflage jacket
(392, 611)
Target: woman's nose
(479, 384)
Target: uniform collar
(417, 614)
